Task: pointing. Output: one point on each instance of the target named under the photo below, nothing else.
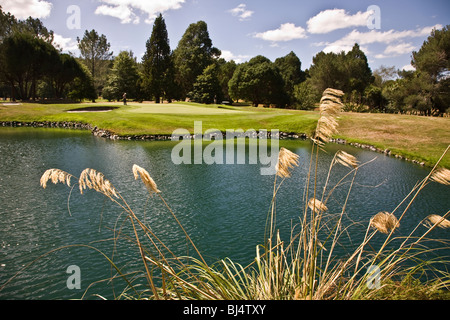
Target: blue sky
(243, 29)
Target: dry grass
(384, 222)
(146, 179)
(441, 176)
(438, 221)
(286, 161)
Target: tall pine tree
(158, 65)
(193, 54)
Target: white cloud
(391, 38)
(286, 32)
(125, 10)
(66, 44)
(241, 12)
(334, 19)
(399, 49)
(408, 67)
(123, 13)
(228, 56)
(22, 9)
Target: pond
(222, 207)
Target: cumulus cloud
(408, 67)
(334, 19)
(241, 12)
(123, 13)
(228, 56)
(125, 10)
(66, 44)
(394, 39)
(286, 32)
(22, 9)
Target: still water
(222, 207)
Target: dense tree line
(32, 67)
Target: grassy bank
(420, 138)
(414, 137)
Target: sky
(387, 31)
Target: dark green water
(222, 207)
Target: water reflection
(222, 207)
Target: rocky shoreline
(165, 137)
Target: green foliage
(94, 49)
(290, 68)
(158, 78)
(207, 88)
(306, 96)
(226, 71)
(258, 81)
(123, 78)
(25, 59)
(348, 72)
(82, 87)
(194, 53)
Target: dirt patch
(92, 109)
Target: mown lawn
(137, 118)
(420, 138)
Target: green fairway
(415, 137)
(147, 118)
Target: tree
(357, 72)
(193, 54)
(259, 81)
(432, 63)
(290, 68)
(95, 52)
(123, 78)
(25, 60)
(158, 64)
(62, 73)
(82, 87)
(348, 72)
(226, 71)
(207, 87)
(306, 96)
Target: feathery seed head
(286, 161)
(146, 179)
(317, 205)
(92, 179)
(55, 175)
(441, 176)
(346, 159)
(437, 220)
(384, 222)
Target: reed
(303, 267)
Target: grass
(137, 119)
(414, 137)
(303, 267)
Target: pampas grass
(304, 266)
(286, 161)
(441, 176)
(55, 176)
(436, 220)
(384, 222)
(146, 179)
